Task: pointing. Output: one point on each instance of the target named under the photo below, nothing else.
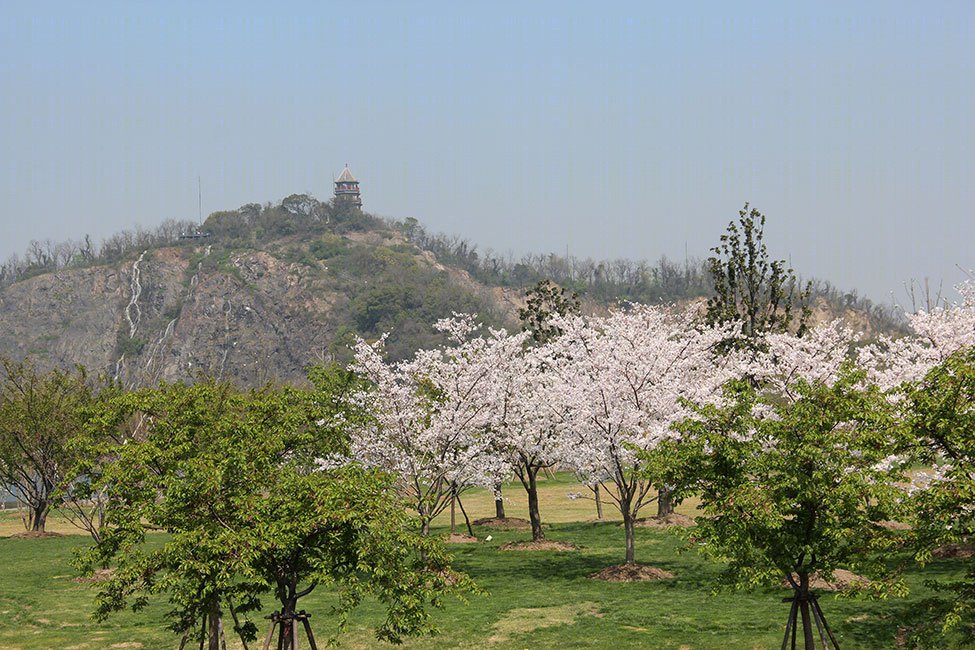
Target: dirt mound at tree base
(893, 525)
(100, 575)
(540, 545)
(630, 573)
(504, 523)
(458, 538)
(950, 551)
(842, 579)
(673, 519)
(35, 534)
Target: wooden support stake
(270, 632)
(832, 638)
(819, 624)
(790, 624)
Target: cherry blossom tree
(794, 468)
(524, 433)
(432, 416)
(936, 335)
(622, 381)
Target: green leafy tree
(83, 499)
(40, 414)
(791, 485)
(249, 491)
(749, 288)
(545, 300)
(941, 413)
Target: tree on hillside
(749, 288)
(40, 414)
(234, 480)
(544, 301)
(793, 470)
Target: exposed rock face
(172, 314)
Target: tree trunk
(424, 512)
(665, 502)
(533, 514)
(453, 510)
(599, 503)
(38, 515)
(498, 502)
(286, 635)
(213, 623)
(628, 528)
(803, 596)
(213, 642)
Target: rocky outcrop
(172, 314)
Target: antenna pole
(199, 186)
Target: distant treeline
(604, 281)
(48, 256)
(623, 280)
(253, 225)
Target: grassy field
(534, 599)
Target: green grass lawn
(533, 599)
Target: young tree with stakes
(232, 478)
(793, 469)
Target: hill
(259, 293)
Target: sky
(604, 130)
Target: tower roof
(346, 176)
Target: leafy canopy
(941, 412)
(792, 485)
(40, 416)
(232, 478)
(750, 288)
(544, 301)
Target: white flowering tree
(524, 432)
(794, 469)
(432, 416)
(622, 382)
(936, 335)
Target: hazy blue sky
(608, 129)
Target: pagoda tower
(347, 188)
